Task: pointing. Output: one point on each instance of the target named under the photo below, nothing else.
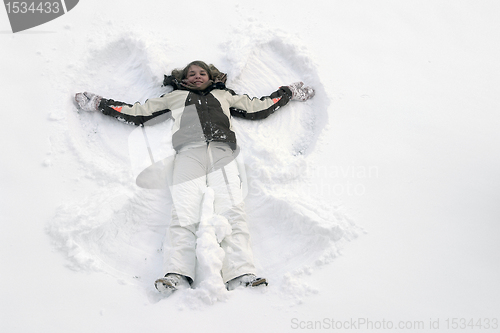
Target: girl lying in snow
(201, 107)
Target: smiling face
(197, 75)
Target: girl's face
(197, 75)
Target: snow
(375, 201)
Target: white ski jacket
(199, 116)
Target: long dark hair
(198, 63)
(181, 74)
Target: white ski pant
(194, 169)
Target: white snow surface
(373, 206)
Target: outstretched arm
(136, 114)
(253, 108)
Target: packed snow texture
(120, 228)
(401, 138)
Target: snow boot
(247, 280)
(171, 282)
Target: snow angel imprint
(201, 107)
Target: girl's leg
(225, 181)
(189, 183)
